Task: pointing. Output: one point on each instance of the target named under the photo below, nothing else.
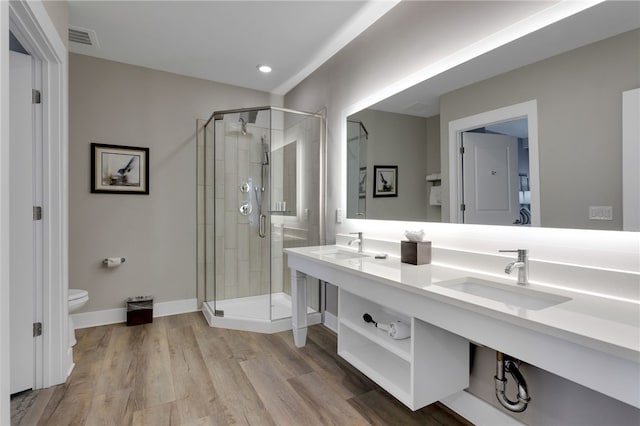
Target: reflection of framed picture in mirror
(362, 183)
(385, 182)
(119, 169)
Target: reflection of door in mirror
(490, 179)
(357, 136)
(495, 181)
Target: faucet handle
(522, 253)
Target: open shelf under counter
(430, 365)
(400, 348)
(352, 317)
(380, 365)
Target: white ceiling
(223, 41)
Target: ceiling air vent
(83, 36)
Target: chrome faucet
(357, 240)
(522, 264)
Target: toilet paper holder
(106, 260)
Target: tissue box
(415, 252)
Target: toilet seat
(77, 294)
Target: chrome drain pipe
(505, 363)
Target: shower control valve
(245, 187)
(245, 209)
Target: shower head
(249, 116)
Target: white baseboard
(477, 411)
(175, 307)
(331, 321)
(114, 316)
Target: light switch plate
(339, 215)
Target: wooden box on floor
(139, 310)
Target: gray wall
(397, 140)
(114, 103)
(404, 41)
(579, 96)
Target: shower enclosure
(263, 173)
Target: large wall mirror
(529, 134)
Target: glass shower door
(242, 267)
(295, 205)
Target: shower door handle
(262, 225)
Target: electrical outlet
(600, 213)
(339, 215)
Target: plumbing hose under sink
(505, 363)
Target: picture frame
(362, 183)
(117, 169)
(385, 183)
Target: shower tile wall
(242, 257)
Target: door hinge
(36, 97)
(37, 329)
(37, 213)
(461, 150)
(463, 207)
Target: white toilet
(77, 299)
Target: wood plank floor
(179, 371)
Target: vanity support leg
(299, 307)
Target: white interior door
(21, 235)
(490, 179)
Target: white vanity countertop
(611, 326)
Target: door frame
(528, 110)
(32, 26)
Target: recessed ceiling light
(264, 68)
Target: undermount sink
(339, 254)
(521, 297)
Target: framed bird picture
(385, 183)
(119, 169)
